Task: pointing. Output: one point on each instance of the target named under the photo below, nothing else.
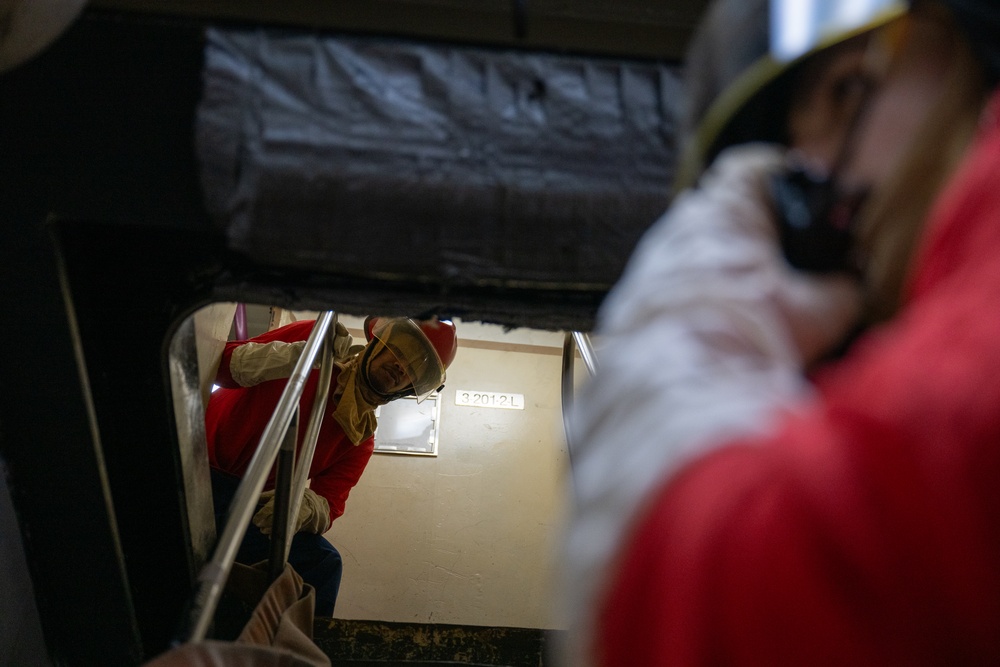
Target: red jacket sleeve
(335, 481)
(780, 554)
(290, 333)
(866, 531)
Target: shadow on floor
(379, 644)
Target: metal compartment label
(489, 399)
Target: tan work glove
(253, 363)
(342, 342)
(314, 514)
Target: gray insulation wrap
(462, 165)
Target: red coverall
(867, 530)
(236, 417)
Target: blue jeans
(312, 556)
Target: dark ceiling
(658, 29)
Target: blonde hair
(893, 220)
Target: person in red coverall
(403, 357)
(789, 454)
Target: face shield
(414, 351)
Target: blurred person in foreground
(402, 357)
(789, 454)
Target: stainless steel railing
(586, 349)
(279, 554)
(571, 343)
(277, 443)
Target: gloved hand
(314, 513)
(253, 363)
(718, 249)
(342, 342)
(703, 339)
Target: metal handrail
(573, 341)
(301, 474)
(214, 574)
(280, 519)
(586, 348)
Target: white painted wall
(469, 536)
